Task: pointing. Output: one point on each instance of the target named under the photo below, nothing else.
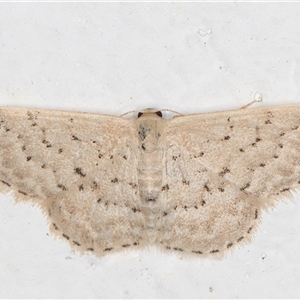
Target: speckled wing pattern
(222, 169)
(80, 168)
(196, 184)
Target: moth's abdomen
(149, 172)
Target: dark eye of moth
(140, 114)
(159, 113)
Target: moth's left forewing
(40, 147)
(80, 168)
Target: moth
(196, 184)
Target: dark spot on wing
(80, 187)
(47, 143)
(79, 172)
(207, 188)
(75, 138)
(55, 226)
(214, 251)
(126, 245)
(239, 239)
(76, 243)
(150, 199)
(256, 214)
(115, 180)
(229, 245)
(165, 187)
(134, 209)
(23, 193)
(94, 185)
(108, 249)
(133, 185)
(199, 155)
(262, 165)
(197, 252)
(177, 249)
(28, 158)
(185, 182)
(268, 122)
(90, 249)
(62, 187)
(65, 236)
(6, 183)
(225, 171)
(245, 186)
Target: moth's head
(150, 112)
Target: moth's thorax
(150, 126)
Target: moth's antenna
(129, 112)
(257, 98)
(172, 111)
